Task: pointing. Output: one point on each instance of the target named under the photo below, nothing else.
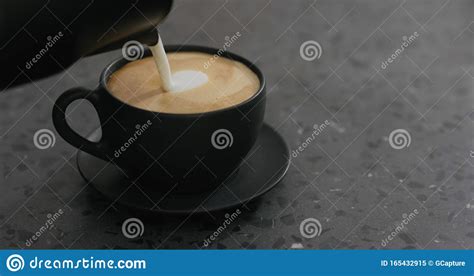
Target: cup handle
(63, 128)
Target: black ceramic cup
(185, 153)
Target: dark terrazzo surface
(349, 178)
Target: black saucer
(263, 168)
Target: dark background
(349, 178)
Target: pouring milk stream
(179, 81)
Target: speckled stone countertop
(350, 178)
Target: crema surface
(228, 83)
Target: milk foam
(179, 81)
(188, 79)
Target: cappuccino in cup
(204, 110)
(186, 85)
